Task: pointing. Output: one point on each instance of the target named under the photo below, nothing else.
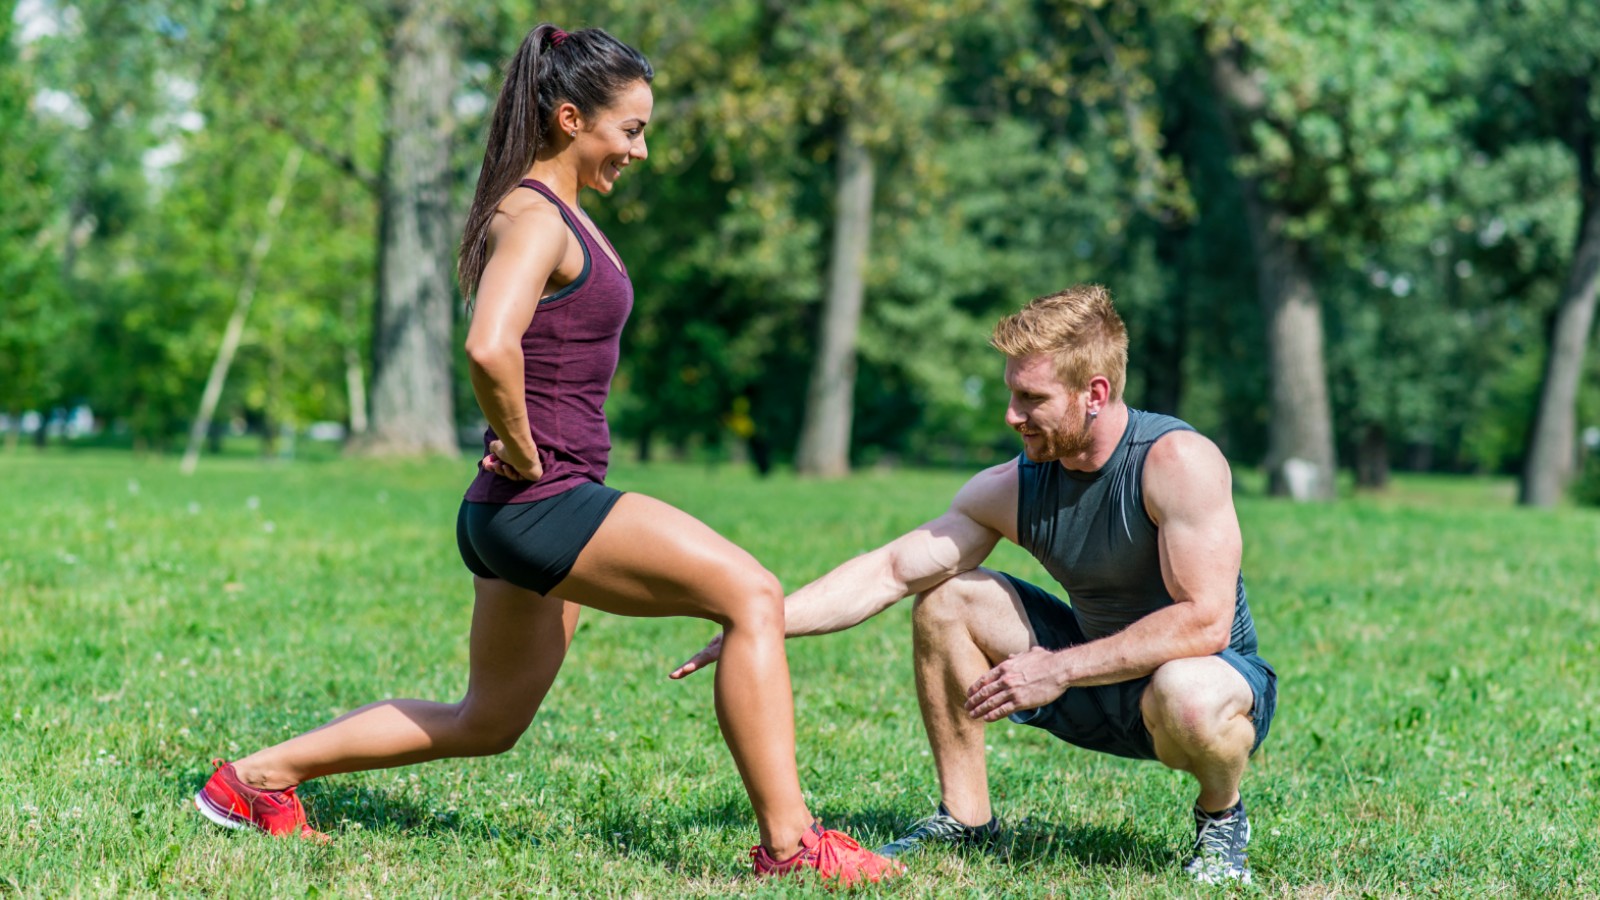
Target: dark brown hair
(588, 69)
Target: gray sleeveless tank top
(1091, 532)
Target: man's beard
(1072, 440)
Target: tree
(34, 317)
(412, 404)
(1301, 426)
(1547, 50)
(830, 397)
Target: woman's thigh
(519, 639)
(649, 558)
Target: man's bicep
(1199, 529)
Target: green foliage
(155, 621)
(1423, 149)
(34, 314)
(1586, 489)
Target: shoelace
(1215, 836)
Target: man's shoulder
(1185, 468)
(1183, 448)
(990, 497)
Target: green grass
(1435, 735)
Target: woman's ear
(568, 120)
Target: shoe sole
(217, 816)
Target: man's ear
(1099, 393)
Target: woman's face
(611, 139)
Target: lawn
(1435, 735)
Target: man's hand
(1025, 681)
(509, 462)
(700, 660)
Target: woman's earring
(573, 132)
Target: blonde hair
(1077, 326)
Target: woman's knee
(754, 599)
(486, 732)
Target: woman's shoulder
(524, 217)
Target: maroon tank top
(569, 355)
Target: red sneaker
(231, 803)
(833, 854)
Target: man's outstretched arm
(984, 510)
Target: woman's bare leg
(519, 639)
(649, 559)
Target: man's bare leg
(963, 628)
(1198, 713)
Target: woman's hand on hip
(511, 462)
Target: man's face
(1050, 416)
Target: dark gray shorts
(532, 545)
(1106, 717)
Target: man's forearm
(1180, 631)
(847, 596)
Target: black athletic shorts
(532, 545)
(1106, 717)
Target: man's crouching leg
(963, 628)
(1198, 714)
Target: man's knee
(1196, 702)
(943, 606)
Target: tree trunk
(825, 431)
(413, 411)
(1372, 458)
(1300, 456)
(1553, 443)
(234, 332)
(355, 381)
(1552, 458)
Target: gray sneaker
(1219, 846)
(942, 828)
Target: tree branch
(1149, 165)
(344, 162)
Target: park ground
(1435, 736)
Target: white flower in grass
(268, 527)
(252, 502)
(133, 485)
(69, 558)
(194, 508)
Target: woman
(538, 528)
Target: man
(1133, 514)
